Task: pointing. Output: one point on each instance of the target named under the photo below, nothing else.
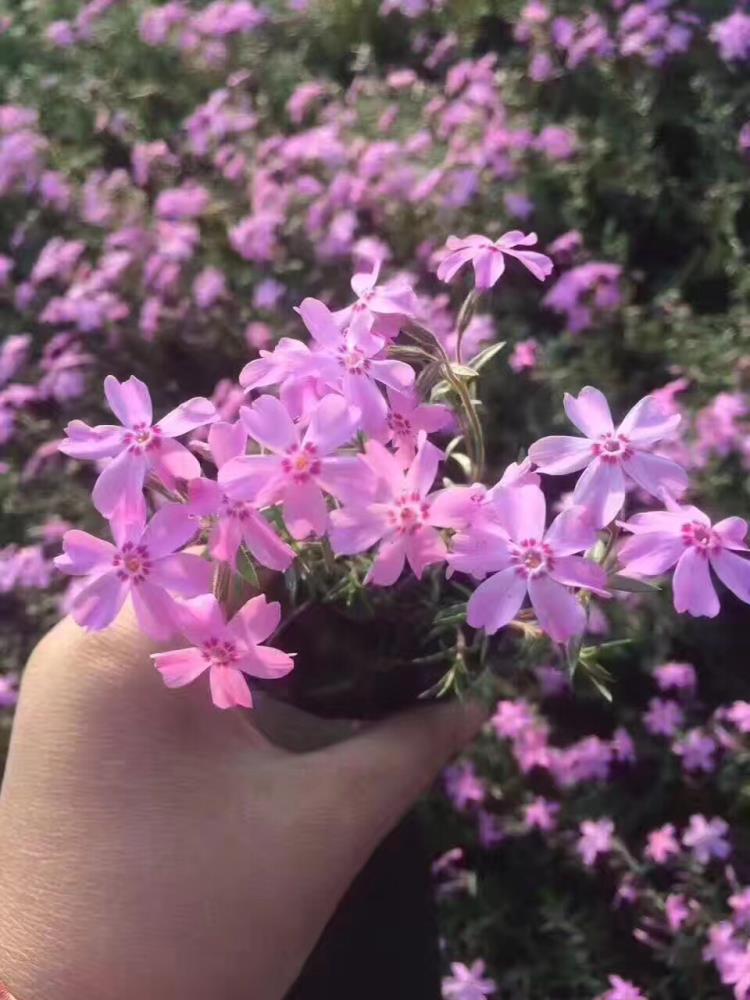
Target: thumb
(378, 774)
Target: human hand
(153, 846)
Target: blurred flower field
(175, 178)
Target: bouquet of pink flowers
(332, 477)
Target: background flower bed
(175, 178)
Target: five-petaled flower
(522, 557)
(144, 562)
(684, 537)
(139, 446)
(226, 649)
(609, 454)
(488, 258)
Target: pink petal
(576, 571)
(364, 282)
(243, 478)
(264, 544)
(120, 485)
(172, 461)
(589, 412)
(571, 531)
(355, 529)
(647, 422)
(666, 521)
(187, 416)
(496, 601)
(225, 540)
(389, 562)
(98, 604)
(268, 422)
(650, 554)
(333, 423)
(84, 442)
(84, 553)
(179, 666)
(229, 688)
(422, 471)
(559, 455)
(601, 490)
(560, 614)
(305, 511)
(256, 620)
(453, 262)
(521, 511)
(734, 572)
(489, 265)
(319, 320)
(395, 374)
(384, 466)
(130, 401)
(184, 573)
(267, 662)
(479, 552)
(432, 417)
(169, 529)
(204, 497)
(732, 532)
(692, 587)
(516, 238)
(155, 610)
(201, 618)
(455, 506)
(226, 441)
(424, 548)
(518, 474)
(539, 264)
(347, 478)
(655, 474)
(363, 393)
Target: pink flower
(622, 746)
(463, 786)
(664, 717)
(523, 558)
(512, 718)
(491, 830)
(676, 676)
(398, 514)
(525, 355)
(488, 258)
(608, 455)
(541, 814)
(407, 416)
(661, 844)
(144, 562)
(225, 649)
(621, 989)
(739, 715)
(237, 521)
(472, 506)
(685, 538)
(697, 751)
(380, 308)
(740, 903)
(300, 467)
(137, 447)
(468, 982)
(596, 839)
(678, 910)
(706, 838)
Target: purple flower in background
(663, 717)
(732, 36)
(596, 840)
(468, 982)
(662, 844)
(621, 989)
(706, 838)
(463, 786)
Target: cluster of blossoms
(342, 451)
(675, 882)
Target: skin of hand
(154, 846)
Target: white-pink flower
(397, 514)
(610, 454)
(144, 562)
(137, 447)
(468, 982)
(235, 521)
(684, 537)
(522, 557)
(488, 258)
(301, 467)
(226, 649)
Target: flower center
(142, 438)
(238, 509)
(219, 652)
(132, 562)
(700, 537)
(532, 558)
(301, 464)
(354, 361)
(612, 448)
(399, 424)
(408, 513)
